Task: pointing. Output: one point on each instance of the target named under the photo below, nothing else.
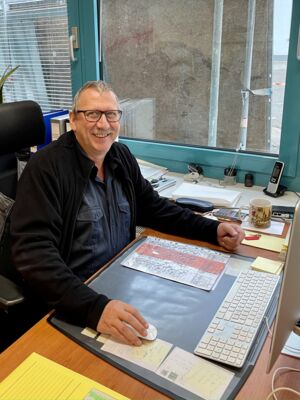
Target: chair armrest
(10, 293)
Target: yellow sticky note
(266, 242)
(89, 332)
(267, 265)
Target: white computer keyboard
(232, 331)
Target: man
(78, 202)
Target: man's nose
(102, 122)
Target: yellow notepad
(266, 242)
(40, 378)
(266, 265)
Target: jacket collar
(87, 165)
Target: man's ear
(72, 117)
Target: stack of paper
(265, 265)
(150, 171)
(218, 196)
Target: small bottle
(249, 179)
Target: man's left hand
(229, 235)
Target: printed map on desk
(192, 265)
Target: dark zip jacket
(44, 215)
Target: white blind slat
(34, 35)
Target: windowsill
(247, 193)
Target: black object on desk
(180, 313)
(201, 206)
(249, 180)
(280, 191)
(283, 211)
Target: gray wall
(162, 49)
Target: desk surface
(47, 341)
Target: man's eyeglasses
(95, 115)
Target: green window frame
(176, 157)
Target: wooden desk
(47, 341)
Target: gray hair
(100, 86)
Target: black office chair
(21, 126)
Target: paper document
(40, 378)
(292, 346)
(150, 171)
(275, 228)
(218, 196)
(192, 265)
(196, 375)
(149, 355)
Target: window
(281, 33)
(34, 35)
(203, 74)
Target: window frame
(213, 161)
(84, 15)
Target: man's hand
(229, 235)
(114, 318)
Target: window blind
(34, 35)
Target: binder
(59, 125)
(47, 122)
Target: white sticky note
(195, 374)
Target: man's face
(95, 138)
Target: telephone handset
(274, 188)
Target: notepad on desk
(40, 378)
(265, 265)
(218, 196)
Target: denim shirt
(102, 226)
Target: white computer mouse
(151, 332)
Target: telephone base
(280, 191)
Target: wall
(163, 50)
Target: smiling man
(78, 203)
(95, 129)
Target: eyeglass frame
(120, 112)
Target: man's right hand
(114, 318)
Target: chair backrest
(21, 126)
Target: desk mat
(181, 314)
